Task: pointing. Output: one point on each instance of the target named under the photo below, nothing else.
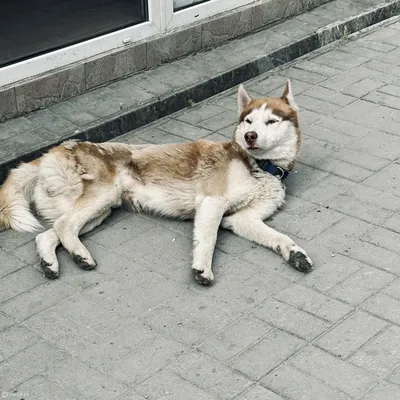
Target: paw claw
(300, 261)
(84, 263)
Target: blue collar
(274, 170)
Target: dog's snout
(250, 136)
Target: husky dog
(235, 184)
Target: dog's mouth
(252, 147)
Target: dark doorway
(30, 28)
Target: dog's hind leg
(87, 210)
(206, 223)
(247, 224)
(47, 243)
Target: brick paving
(139, 327)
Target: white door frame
(162, 19)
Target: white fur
(289, 96)
(58, 186)
(276, 142)
(243, 99)
(21, 219)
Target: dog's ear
(243, 99)
(288, 96)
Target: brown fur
(76, 185)
(279, 107)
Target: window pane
(180, 4)
(29, 28)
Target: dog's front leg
(246, 224)
(206, 223)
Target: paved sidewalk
(139, 327)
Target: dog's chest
(245, 188)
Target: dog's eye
(271, 121)
(247, 121)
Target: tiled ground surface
(139, 327)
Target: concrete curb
(134, 118)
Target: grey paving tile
(363, 87)
(381, 355)
(72, 113)
(374, 255)
(210, 311)
(17, 370)
(166, 384)
(295, 384)
(383, 391)
(258, 392)
(210, 375)
(332, 272)
(330, 96)
(291, 319)
(10, 263)
(313, 302)
(337, 373)
(383, 238)
(14, 340)
(235, 338)
(184, 130)
(84, 380)
(60, 126)
(40, 388)
(385, 307)
(182, 328)
(340, 60)
(36, 300)
(19, 282)
(363, 284)
(62, 331)
(325, 190)
(347, 337)
(361, 159)
(153, 355)
(259, 359)
(340, 235)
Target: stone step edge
(137, 117)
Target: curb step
(201, 81)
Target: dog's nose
(251, 137)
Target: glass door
(181, 4)
(31, 28)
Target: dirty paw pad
(83, 262)
(202, 279)
(48, 272)
(300, 261)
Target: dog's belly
(168, 201)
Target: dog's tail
(15, 198)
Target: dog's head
(268, 128)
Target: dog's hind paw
(84, 263)
(48, 271)
(204, 278)
(300, 261)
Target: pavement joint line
(135, 117)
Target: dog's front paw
(204, 277)
(84, 262)
(299, 260)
